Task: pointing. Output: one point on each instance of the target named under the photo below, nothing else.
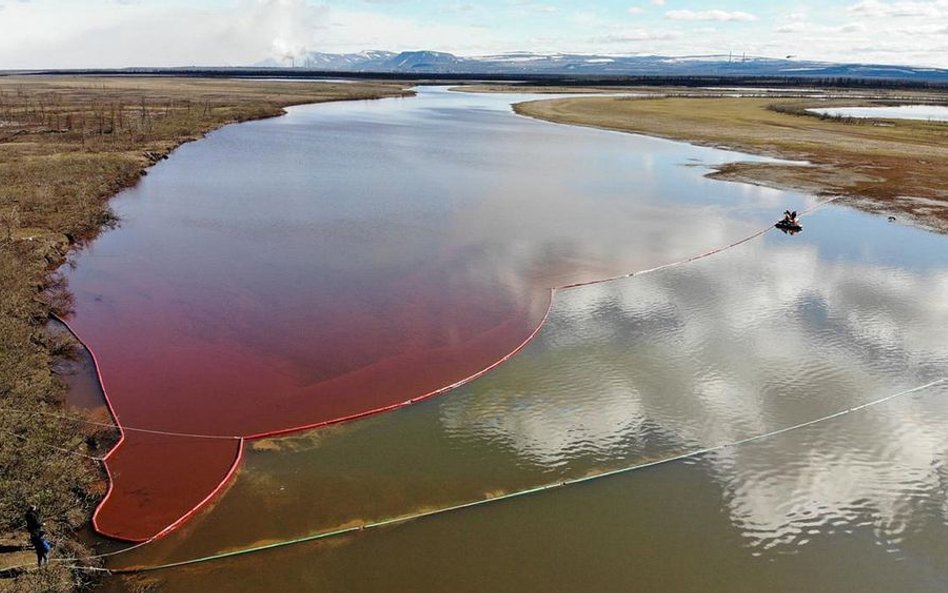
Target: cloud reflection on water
(765, 336)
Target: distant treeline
(790, 82)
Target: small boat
(785, 225)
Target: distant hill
(527, 63)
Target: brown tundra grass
(67, 144)
(895, 166)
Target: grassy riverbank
(893, 166)
(67, 144)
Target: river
(354, 255)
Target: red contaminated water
(181, 381)
(342, 260)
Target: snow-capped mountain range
(431, 62)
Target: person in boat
(789, 219)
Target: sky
(120, 33)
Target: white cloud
(871, 31)
(935, 29)
(802, 26)
(709, 15)
(104, 33)
(639, 34)
(546, 8)
(658, 2)
(459, 7)
(586, 19)
(61, 34)
(880, 9)
(792, 28)
(536, 7)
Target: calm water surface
(925, 112)
(482, 210)
(355, 255)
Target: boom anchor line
(243, 438)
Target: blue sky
(115, 33)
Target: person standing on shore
(33, 521)
(41, 546)
(34, 524)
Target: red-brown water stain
(281, 275)
(159, 480)
(229, 390)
